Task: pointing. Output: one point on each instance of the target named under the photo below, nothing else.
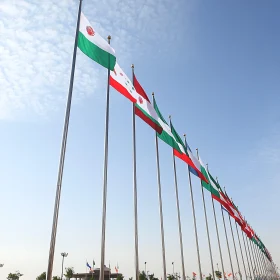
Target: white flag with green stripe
(94, 46)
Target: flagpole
(234, 247)
(249, 254)
(160, 205)
(178, 214)
(256, 248)
(227, 243)
(257, 258)
(135, 187)
(217, 231)
(261, 260)
(252, 257)
(256, 266)
(105, 173)
(62, 152)
(241, 250)
(194, 218)
(206, 223)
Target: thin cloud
(36, 45)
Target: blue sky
(213, 66)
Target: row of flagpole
(257, 264)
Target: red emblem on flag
(90, 31)
(140, 100)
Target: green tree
(56, 278)
(120, 277)
(152, 277)
(171, 277)
(14, 276)
(42, 276)
(69, 272)
(142, 275)
(209, 277)
(218, 274)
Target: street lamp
(145, 268)
(64, 255)
(173, 267)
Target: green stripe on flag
(95, 53)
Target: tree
(171, 277)
(69, 272)
(152, 277)
(218, 274)
(42, 276)
(130, 278)
(142, 275)
(209, 277)
(14, 276)
(56, 278)
(120, 277)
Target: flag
(88, 266)
(186, 155)
(218, 194)
(139, 112)
(117, 269)
(171, 138)
(94, 46)
(211, 185)
(194, 274)
(229, 274)
(120, 82)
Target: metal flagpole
(194, 219)
(234, 247)
(259, 253)
(206, 223)
(217, 230)
(241, 250)
(227, 243)
(135, 188)
(105, 173)
(248, 262)
(178, 214)
(160, 207)
(258, 258)
(218, 237)
(254, 257)
(62, 153)
(251, 259)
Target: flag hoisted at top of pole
(120, 82)
(94, 46)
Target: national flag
(219, 196)
(88, 265)
(194, 274)
(94, 46)
(229, 274)
(171, 137)
(120, 82)
(186, 155)
(117, 269)
(211, 184)
(139, 112)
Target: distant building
(95, 274)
